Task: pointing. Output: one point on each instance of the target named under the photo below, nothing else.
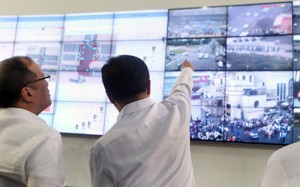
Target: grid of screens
(245, 83)
(246, 59)
(72, 48)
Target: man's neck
(137, 97)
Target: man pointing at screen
(149, 145)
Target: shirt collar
(19, 112)
(135, 106)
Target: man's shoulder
(294, 148)
(288, 157)
(105, 140)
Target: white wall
(229, 165)
(216, 164)
(13, 7)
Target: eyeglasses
(40, 79)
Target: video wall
(246, 59)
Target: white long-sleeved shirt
(149, 145)
(30, 151)
(283, 168)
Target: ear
(149, 87)
(26, 94)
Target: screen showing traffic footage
(246, 83)
(260, 20)
(204, 53)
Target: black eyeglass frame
(40, 79)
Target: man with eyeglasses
(30, 151)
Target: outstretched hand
(187, 63)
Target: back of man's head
(125, 76)
(14, 73)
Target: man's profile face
(42, 93)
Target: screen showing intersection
(246, 59)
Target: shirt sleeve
(45, 166)
(184, 82)
(180, 98)
(99, 175)
(274, 174)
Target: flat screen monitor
(88, 26)
(41, 28)
(140, 25)
(6, 50)
(204, 53)
(8, 28)
(260, 53)
(260, 19)
(197, 22)
(296, 17)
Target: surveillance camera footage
(203, 53)
(260, 53)
(199, 22)
(260, 20)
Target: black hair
(14, 73)
(125, 76)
